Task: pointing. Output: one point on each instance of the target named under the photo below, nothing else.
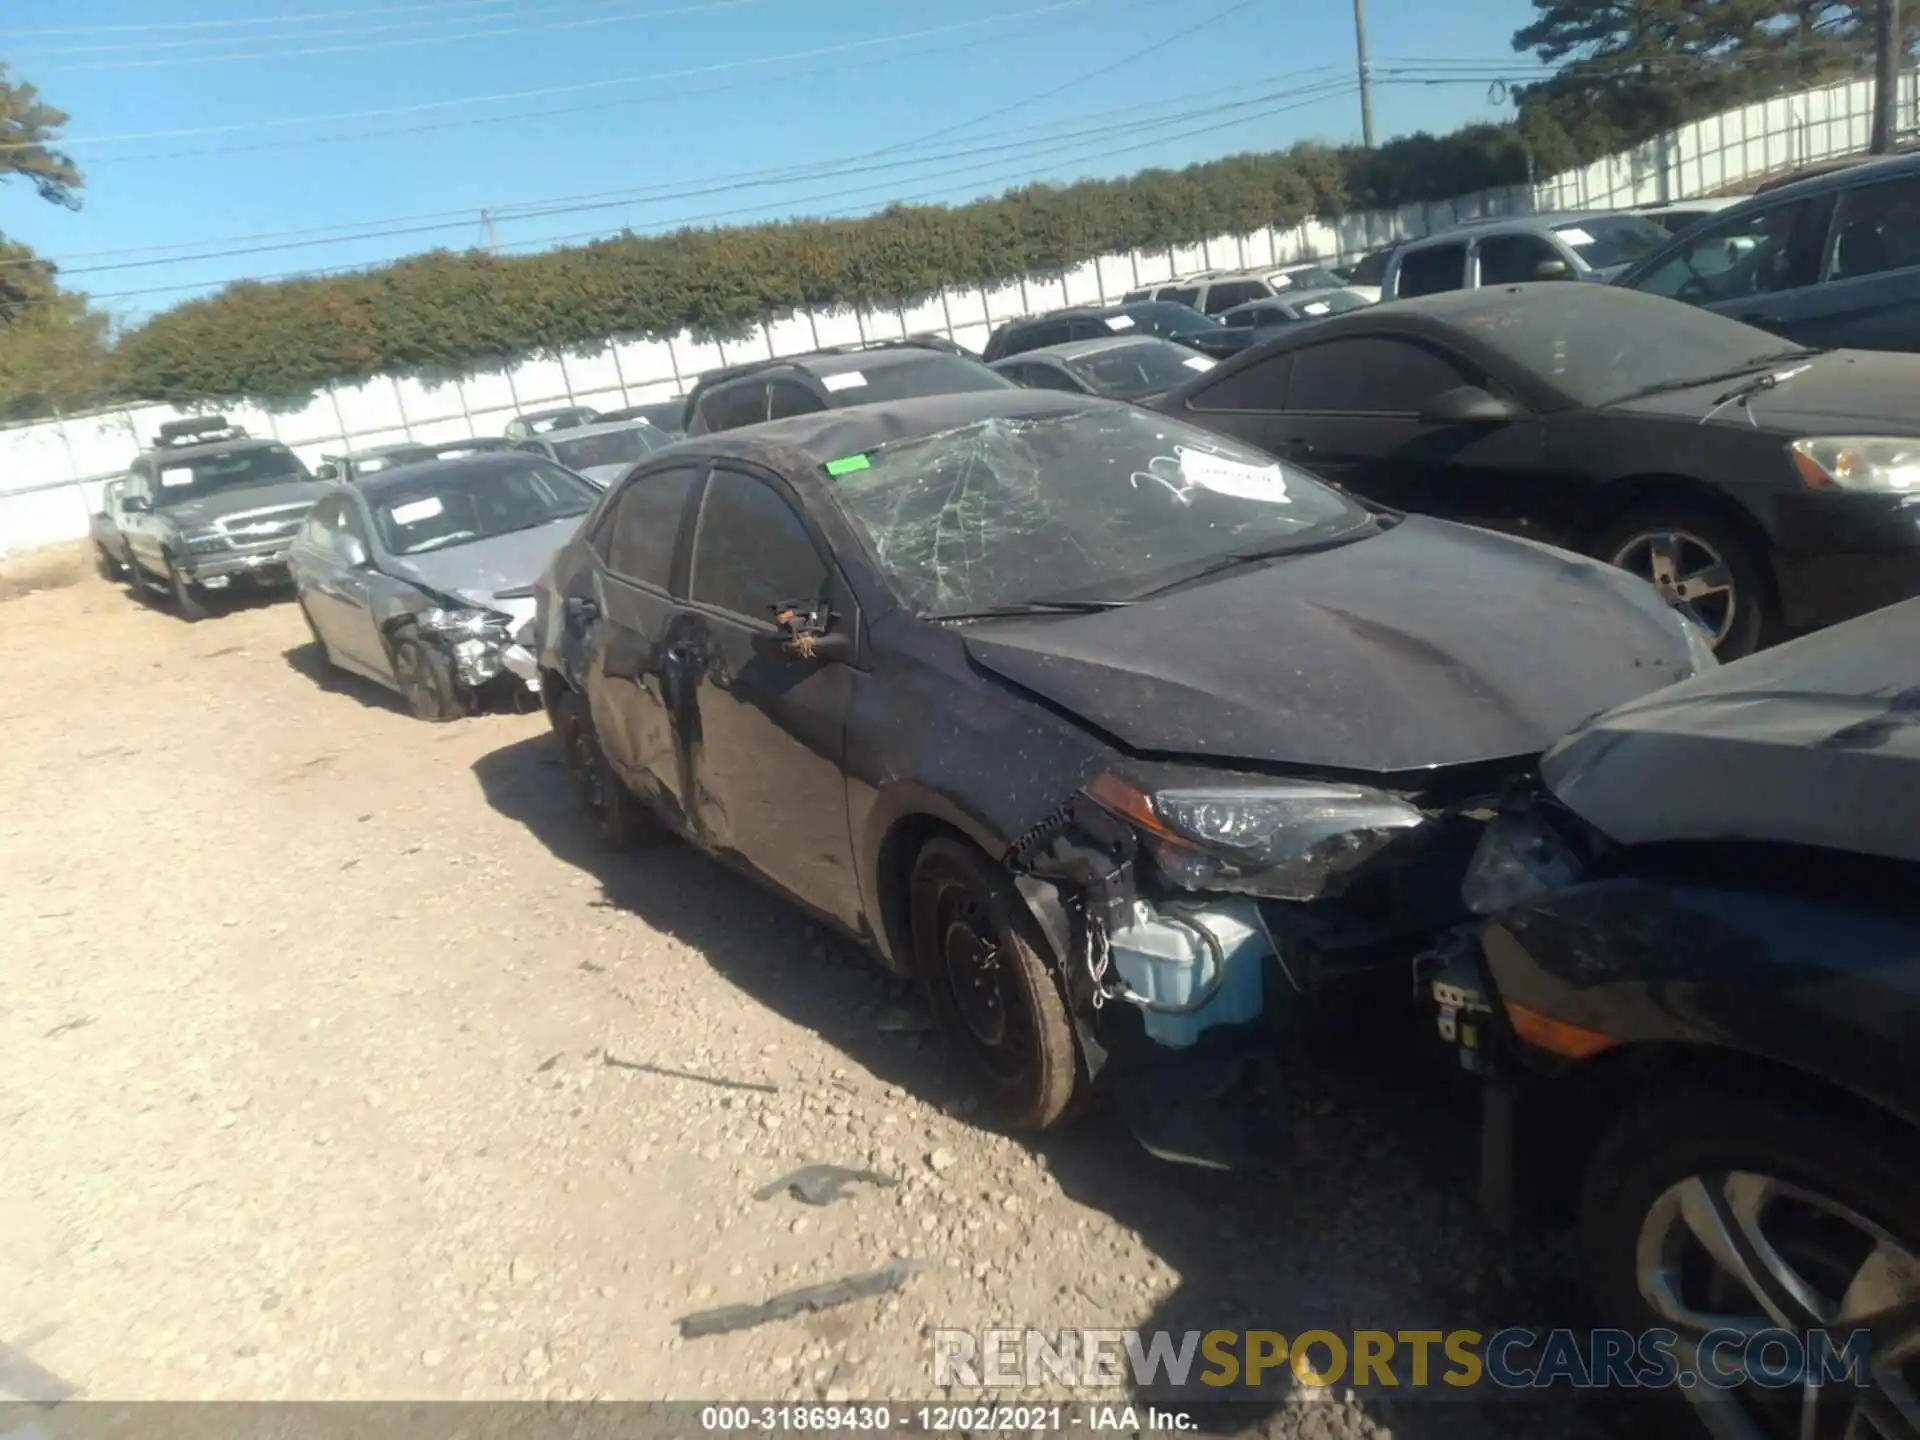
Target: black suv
(831, 379)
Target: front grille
(267, 529)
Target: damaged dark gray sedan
(1118, 735)
(421, 579)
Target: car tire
(108, 567)
(187, 603)
(1700, 545)
(980, 958)
(614, 813)
(425, 681)
(1821, 1187)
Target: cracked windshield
(1085, 506)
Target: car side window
(351, 526)
(1514, 259)
(1051, 377)
(1876, 229)
(1752, 254)
(1371, 269)
(1086, 329)
(1032, 337)
(728, 407)
(750, 551)
(1260, 388)
(790, 397)
(1371, 375)
(1183, 295)
(1234, 292)
(323, 520)
(1432, 270)
(646, 525)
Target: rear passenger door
(765, 731)
(629, 690)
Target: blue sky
(412, 116)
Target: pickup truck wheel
(186, 599)
(105, 564)
(981, 962)
(618, 819)
(1721, 1215)
(425, 680)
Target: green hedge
(446, 312)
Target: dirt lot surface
(337, 1064)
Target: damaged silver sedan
(422, 579)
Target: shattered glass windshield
(459, 506)
(1138, 368)
(1100, 503)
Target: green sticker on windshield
(847, 464)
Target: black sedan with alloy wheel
(1696, 1001)
(1120, 736)
(1763, 489)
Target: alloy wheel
(1738, 1254)
(1690, 574)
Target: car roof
(215, 447)
(1076, 349)
(870, 355)
(398, 447)
(1509, 224)
(551, 411)
(407, 476)
(804, 443)
(609, 427)
(1840, 174)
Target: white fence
(51, 471)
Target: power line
(1108, 69)
(424, 106)
(750, 181)
(297, 35)
(510, 210)
(149, 25)
(1099, 148)
(655, 98)
(497, 30)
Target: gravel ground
(337, 1064)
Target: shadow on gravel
(1365, 1223)
(308, 661)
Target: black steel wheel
(1750, 1230)
(980, 960)
(425, 680)
(1701, 565)
(618, 819)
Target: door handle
(581, 610)
(1299, 446)
(685, 652)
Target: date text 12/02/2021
(941, 1419)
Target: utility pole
(1366, 71)
(1886, 89)
(489, 241)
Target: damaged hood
(479, 571)
(210, 508)
(1815, 743)
(1430, 645)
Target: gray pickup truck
(210, 509)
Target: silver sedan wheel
(1691, 576)
(1724, 1257)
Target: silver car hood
(478, 571)
(605, 475)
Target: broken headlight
(1522, 857)
(479, 624)
(1286, 839)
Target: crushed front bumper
(222, 568)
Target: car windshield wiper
(1031, 607)
(1233, 559)
(1694, 382)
